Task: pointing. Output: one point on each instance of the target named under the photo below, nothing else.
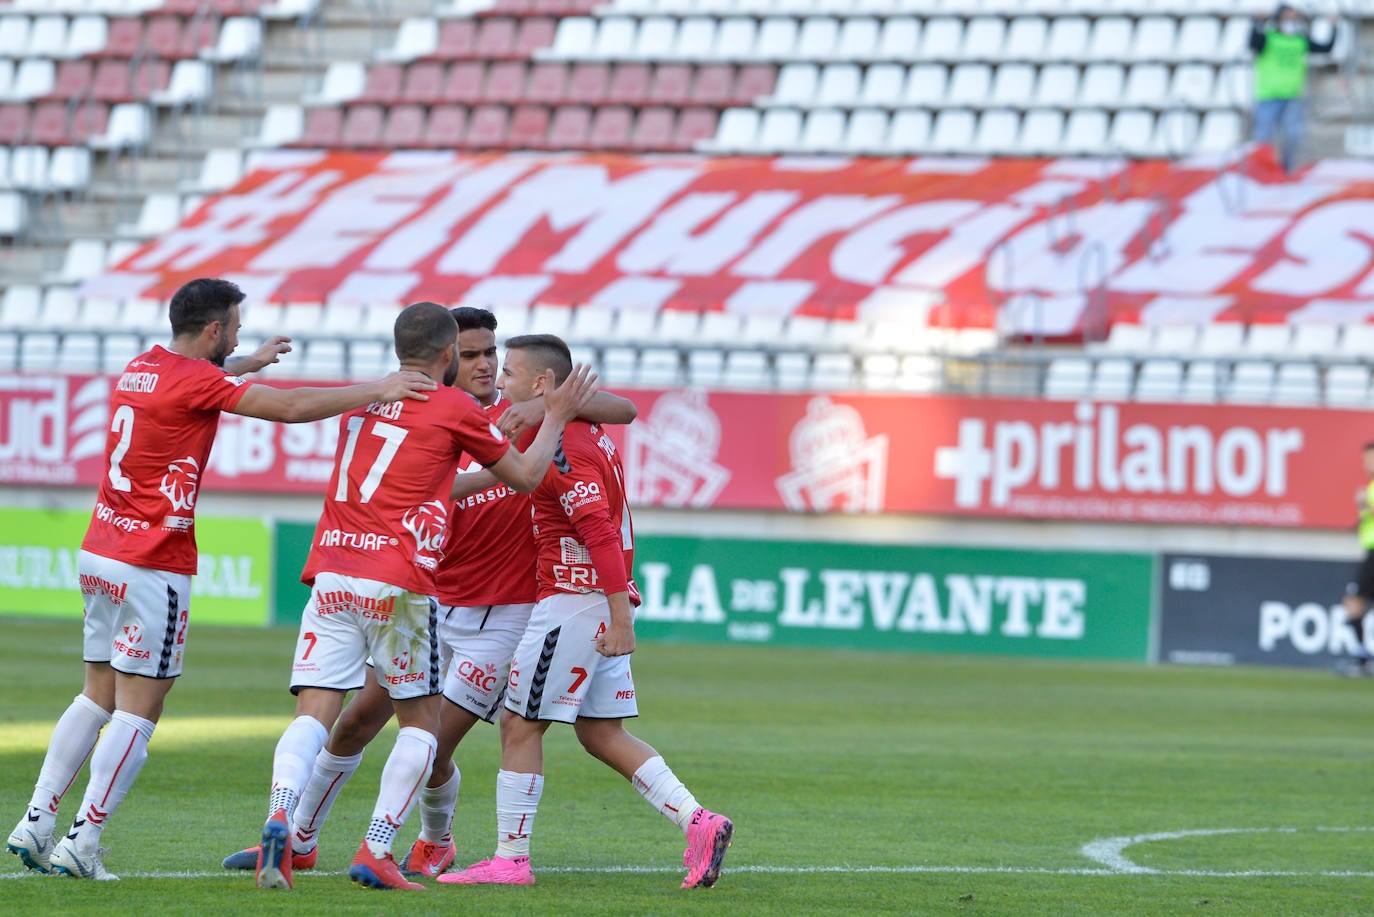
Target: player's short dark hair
(549, 352)
(422, 331)
(200, 302)
(471, 318)
(1369, 445)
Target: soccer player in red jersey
(485, 587)
(371, 570)
(139, 554)
(573, 662)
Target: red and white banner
(1058, 247)
(1184, 464)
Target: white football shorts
(348, 617)
(135, 618)
(480, 641)
(557, 673)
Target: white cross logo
(969, 463)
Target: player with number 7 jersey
(371, 571)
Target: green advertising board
(38, 557)
(889, 597)
(289, 594)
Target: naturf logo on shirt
(180, 483)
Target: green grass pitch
(859, 784)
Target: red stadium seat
(50, 125)
(457, 39)
(151, 76)
(529, 127)
(671, 84)
(123, 37)
(405, 127)
(383, 84)
(14, 123)
(629, 84)
(505, 83)
(693, 126)
(653, 129)
(611, 128)
(163, 37)
(113, 81)
(488, 127)
(588, 83)
(496, 38)
(754, 80)
(548, 82)
(446, 127)
(363, 127)
(424, 83)
(197, 37)
(73, 79)
(465, 82)
(536, 33)
(322, 127)
(570, 126)
(714, 85)
(88, 120)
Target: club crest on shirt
(427, 524)
(181, 483)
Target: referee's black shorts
(1363, 583)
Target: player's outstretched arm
(299, 405)
(524, 471)
(603, 408)
(467, 483)
(270, 352)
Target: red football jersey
(386, 509)
(582, 526)
(163, 416)
(489, 555)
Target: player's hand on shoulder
(569, 399)
(521, 417)
(616, 641)
(407, 383)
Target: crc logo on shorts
(180, 483)
(127, 643)
(580, 494)
(427, 524)
(483, 677)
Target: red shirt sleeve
(582, 494)
(213, 389)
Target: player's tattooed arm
(270, 352)
(604, 408)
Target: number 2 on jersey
(393, 436)
(122, 423)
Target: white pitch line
(1109, 851)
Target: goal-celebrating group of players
(441, 597)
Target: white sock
(517, 801)
(661, 789)
(403, 777)
(327, 778)
(296, 751)
(436, 810)
(72, 741)
(114, 767)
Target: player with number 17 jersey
(163, 416)
(385, 510)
